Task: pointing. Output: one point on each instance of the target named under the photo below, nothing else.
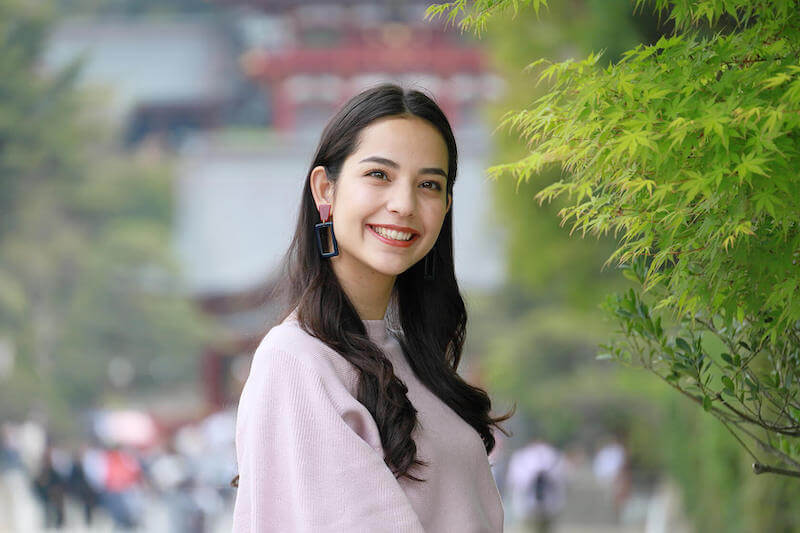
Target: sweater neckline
(376, 329)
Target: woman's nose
(402, 201)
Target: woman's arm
(302, 466)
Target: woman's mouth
(393, 237)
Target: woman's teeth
(392, 234)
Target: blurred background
(152, 154)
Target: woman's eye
(433, 185)
(381, 174)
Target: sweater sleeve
(302, 464)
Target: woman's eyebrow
(390, 163)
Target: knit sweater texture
(310, 457)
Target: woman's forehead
(406, 141)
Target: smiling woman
(386, 218)
(353, 416)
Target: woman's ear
(321, 186)
(449, 202)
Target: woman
(344, 425)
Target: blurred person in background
(50, 486)
(23, 451)
(168, 471)
(369, 346)
(120, 496)
(9, 455)
(193, 505)
(13, 478)
(93, 462)
(612, 470)
(79, 486)
(537, 485)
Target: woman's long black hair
(429, 316)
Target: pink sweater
(310, 456)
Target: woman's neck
(369, 292)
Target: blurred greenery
(549, 324)
(86, 273)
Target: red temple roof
(350, 60)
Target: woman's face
(390, 199)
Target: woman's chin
(392, 269)
(381, 264)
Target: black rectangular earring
(319, 229)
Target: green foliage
(538, 336)
(543, 259)
(686, 150)
(85, 269)
(477, 15)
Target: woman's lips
(393, 242)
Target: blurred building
(241, 99)
(159, 77)
(327, 53)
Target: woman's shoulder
(290, 340)
(289, 336)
